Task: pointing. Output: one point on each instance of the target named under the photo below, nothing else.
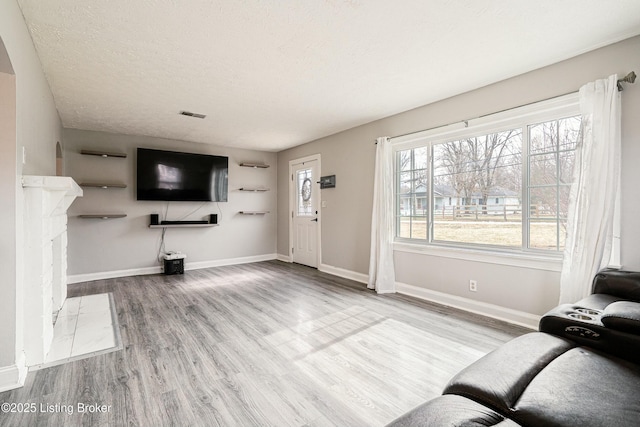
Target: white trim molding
(78, 278)
(347, 274)
(292, 203)
(13, 376)
(515, 317)
(524, 260)
(493, 311)
(229, 261)
(283, 258)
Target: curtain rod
(629, 78)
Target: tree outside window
(507, 189)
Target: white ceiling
(272, 74)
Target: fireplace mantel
(46, 200)
(64, 187)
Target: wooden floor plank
(263, 344)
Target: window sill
(524, 260)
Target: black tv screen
(176, 176)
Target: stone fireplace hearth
(46, 200)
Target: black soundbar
(183, 222)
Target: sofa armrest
(452, 410)
(623, 316)
(622, 284)
(520, 360)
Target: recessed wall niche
(59, 160)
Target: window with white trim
(500, 183)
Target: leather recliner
(563, 376)
(607, 320)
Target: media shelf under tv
(183, 225)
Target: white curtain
(382, 276)
(593, 194)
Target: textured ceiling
(271, 74)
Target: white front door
(305, 194)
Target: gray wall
(37, 128)
(101, 246)
(350, 155)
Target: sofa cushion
(582, 387)
(452, 411)
(616, 333)
(499, 378)
(623, 284)
(623, 316)
(597, 301)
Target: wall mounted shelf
(103, 185)
(183, 225)
(102, 216)
(253, 165)
(102, 153)
(255, 190)
(253, 212)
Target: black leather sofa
(582, 369)
(607, 320)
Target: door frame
(292, 204)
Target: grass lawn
(500, 233)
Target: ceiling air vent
(190, 114)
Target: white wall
(351, 154)
(116, 247)
(36, 127)
(8, 187)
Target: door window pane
(305, 192)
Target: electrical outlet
(473, 286)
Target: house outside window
(502, 184)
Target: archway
(59, 161)
(11, 293)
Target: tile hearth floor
(86, 326)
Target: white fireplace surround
(46, 200)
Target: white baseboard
(229, 261)
(341, 272)
(78, 278)
(516, 317)
(13, 376)
(283, 258)
(88, 277)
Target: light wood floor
(269, 343)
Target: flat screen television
(177, 176)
